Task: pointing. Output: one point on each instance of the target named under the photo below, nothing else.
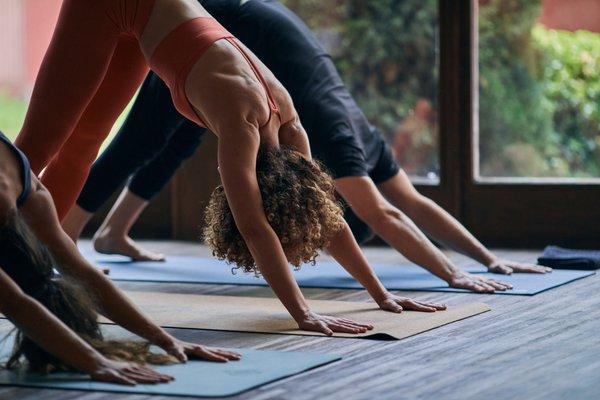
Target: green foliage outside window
(12, 114)
(539, 89)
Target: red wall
(571, 15)
(11, 45)
(39, 19)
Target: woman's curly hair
(299, 202)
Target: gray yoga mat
(194, 379)
(184, 269)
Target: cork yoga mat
(267, 315)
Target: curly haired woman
(96, 60)
(380, 196)
(57, 321)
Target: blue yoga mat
(183, 269)
(194, 379)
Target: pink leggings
(90, 72)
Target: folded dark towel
(558, 257)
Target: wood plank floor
(541, 347)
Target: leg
(113, 236)
(67, 172)
(445, 228)
(150, 123)
(73, 68)
(155, 175)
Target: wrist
(161, 338)
(453, 274)
(380, 295)
(301, 314)
(92, 362)
(488, 258)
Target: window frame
(516, 212)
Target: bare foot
(105, 243)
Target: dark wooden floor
(541, 347)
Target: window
(529, 161)
(539, 90)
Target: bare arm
(237, 164)
(346, 250)
(399, 231)
(403, 235)
(446, 229)
(35, 321)
(41, 217)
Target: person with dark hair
(56, 319)
(381, 197)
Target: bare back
(222, 86)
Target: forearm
(347, 253)
(113, 303)
(273, 265)
(36, 322)
(447, 230)
(403, 235)
(40, 215)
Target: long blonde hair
(31, 266)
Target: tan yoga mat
(267, 315)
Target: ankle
(105, 234)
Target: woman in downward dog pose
(379, 193)
(90, 71)
(32, 245)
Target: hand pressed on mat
(476, 283)
(126, 373)
(397, 304)
(507, 267)
(184, 350)
(312, 321)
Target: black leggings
(148, 149)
